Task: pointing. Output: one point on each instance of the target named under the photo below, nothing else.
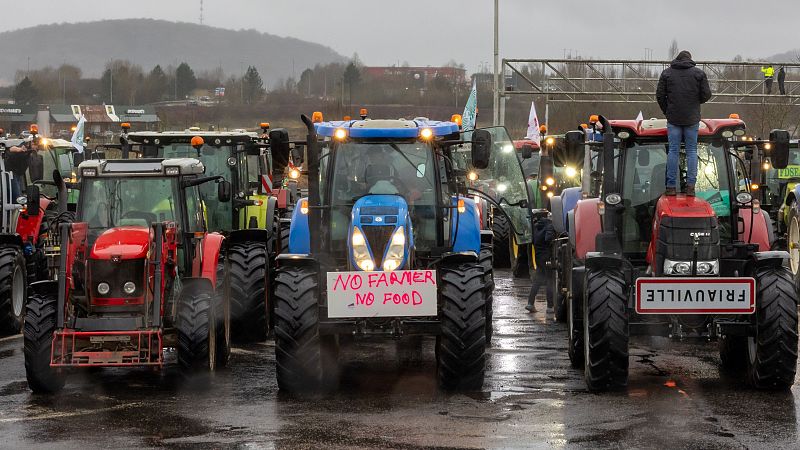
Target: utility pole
(201, 12)
(111, 75)
(496, 96)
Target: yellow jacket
(768, 71)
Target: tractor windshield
(504, 181)
(394, 168)
(644, 182)
(215, 160)
(54, 158)
(138, 201)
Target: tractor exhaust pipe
(314, 210)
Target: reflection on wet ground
(388, 398)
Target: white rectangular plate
(401, 293)
(695, 295)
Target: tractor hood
(685, 229)
(128, 242)
(683, 206)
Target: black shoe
(671, 191)
(690, 190)
(530, 308)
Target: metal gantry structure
(635, 81)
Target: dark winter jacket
(682, 88)
(543, 235)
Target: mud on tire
(605, 328)
(297, 340)
(40, 323)
(772, 353)
(461, 348)
(248, 286)
(13, 290)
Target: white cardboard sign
(400, 293)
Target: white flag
(533, 126)
(640, 117)
(470, 109)
(77, 136)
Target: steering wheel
(146, 216)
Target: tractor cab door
(504, 181)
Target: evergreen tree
(25, 93)
(253, 86)
(185, 81)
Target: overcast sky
(432, 32)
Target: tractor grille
(380, 210)
(116, 274)
(377, 236)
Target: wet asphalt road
(677, 398)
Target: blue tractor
(388, 243)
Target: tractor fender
(558, 216)
(199, 283)
(11, 239)
(770, 227)
(257, 212)
(212, 246)
(571, 228)
(597, 261)
(28, 225)
(458, 257)
(569, 198)
(587, 226)
(466, 228)
(295, 260)
(299, 237)
(759, 228)
(272, 207)
(248, 235)
(44, 287)
(767, 259)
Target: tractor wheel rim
(794, 250)
(751, 349)
(17, 292)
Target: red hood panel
(683, 206)
(122, 242)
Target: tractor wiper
(402, 153)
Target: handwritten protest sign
(400, 293)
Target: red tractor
(679, 266)
(137, 275)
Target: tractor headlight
(103, 288)
(294, 174)
(685, 267)
(570, 172)
(396, 253)
(361, 253)
(744, 197)
(129, 287)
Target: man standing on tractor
(682, 88)
(17, 160)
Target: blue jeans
(688, 135)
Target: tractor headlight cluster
(129, 287)
(570, 171)
(685, 267)
(103, 288)
(395, 254)
(361, 253)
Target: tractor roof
(387, 128)
(143, 167)
(658, 127)
(210, 137)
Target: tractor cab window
(503, 180)
(389, 168)
(645, 179)
(140, 201)
(56, 158)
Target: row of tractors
(628, 260)
(180, 243)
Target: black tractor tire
(605, 328)
(502, 233)
(519, 263)
(222, 306)
(772, 352)
(40, 324)
(297, 341)
(733, 353)
(485, 260)
(461, 348)
(13, 290)
(575, 327)
(197, 331)
(248, 262)
(563, 277)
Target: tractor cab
(686, 266)
(139, 273)
(389, 243)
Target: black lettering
(688, 295)
(649, 296)
(712, 295)
(729, 295)
(700, 296)
(741, 296)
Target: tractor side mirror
(279, 141)
(224, 191)
(481, 148)
(780, 148)
(77, 159)
(574, 141)
(33, 199)
(527, 151)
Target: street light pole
(496, 96)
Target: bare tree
(673, 49)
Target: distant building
(58, 120)
(422, 76)
(15, 119)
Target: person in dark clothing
(17, 160)
(682, 88)
(782, 80)
(543, 235)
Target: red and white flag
(533, 126)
